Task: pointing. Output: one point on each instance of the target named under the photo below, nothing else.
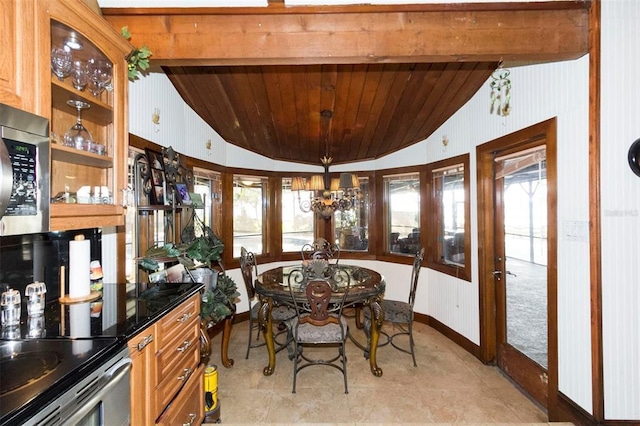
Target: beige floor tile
(448, 387)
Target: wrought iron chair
(320, 249)
(319, 322)
(399, 313)
(249, 269)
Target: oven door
(101, 399)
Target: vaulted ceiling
(351, 82)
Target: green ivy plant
(138, 59)
(219, 303)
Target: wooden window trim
(432, 213)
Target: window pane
(297, 226)
(352, 226)
(449, 185)
(403, 193)
(207, 188)
(248, 213)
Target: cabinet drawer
(188, 407)
(175, 321)
(177, 351)
(175, 379)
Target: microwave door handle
(114, 378)
(6, 178)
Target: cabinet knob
(184, 317)
(186, 375)
(184, 347)
(192, 417)
(145, 341)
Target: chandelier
(326, 195)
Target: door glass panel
(525, 236)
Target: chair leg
(411, 344)
(250, 337)
(344, 366)
(295, 366)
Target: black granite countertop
(121, 311)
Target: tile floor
(449, 386)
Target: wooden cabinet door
(142, 350)
(17, 61)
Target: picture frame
(183, 193)
(158, 180)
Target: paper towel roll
(79, 269)
(80, 320)
(80, 326)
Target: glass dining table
(366, 290)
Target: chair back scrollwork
(249, 269)
(320, 249)
(415, 274)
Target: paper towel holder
(67, 300)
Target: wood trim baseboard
(452, 335)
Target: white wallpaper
(620, 198)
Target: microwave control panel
(24, 195)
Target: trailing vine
(138, 59)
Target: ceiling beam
(279, 35)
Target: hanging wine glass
(79, 74)
(61, 62)
(78, 136)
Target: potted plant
(218, 301)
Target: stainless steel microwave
(24, 172)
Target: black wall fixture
(634, 157)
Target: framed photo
(183, 193)
(157, 194)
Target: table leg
(265, 323)
(224, 348)
(377, 318)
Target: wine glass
(100, 72)
(61, 61)
(78, 136)
(79, 74)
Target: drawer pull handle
(184, 346)
(192, 417)
(184, 317)
(145, 341)
(185, 376)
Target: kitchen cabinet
(187, 409)
(167, 377)
(87, 185)
(17, 62)
(30, 30)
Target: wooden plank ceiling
(354, 82)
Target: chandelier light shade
(316, 183)
(297, 184)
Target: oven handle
(113, 376)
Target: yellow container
(210, 388)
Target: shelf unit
(158, 224)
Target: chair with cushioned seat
(399, 313)
(318, 323)
(279, 314)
